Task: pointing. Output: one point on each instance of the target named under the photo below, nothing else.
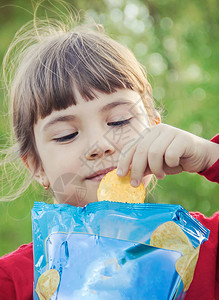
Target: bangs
(47, 67)
(78, 61)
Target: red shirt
(16, 268)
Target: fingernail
(134, 182)
(119, 172)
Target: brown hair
(52, 61)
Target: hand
(165, 150)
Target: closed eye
(119, 123)
(66, 138)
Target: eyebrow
(70, 118)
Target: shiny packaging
(104, 251)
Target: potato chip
(39, 293)
(47, 284)
(185, 266)
(118, 189)
(171, 237)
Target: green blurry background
(178, 43)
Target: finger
(139, 163)
(167, 170)
(128, 151)
(147, 171)
(172, 170)
(156, 154)
(125, 159)
(173, 153)
(140, 157)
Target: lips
(97, 176)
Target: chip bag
(111, 250)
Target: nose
(99, 150)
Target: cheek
(69, 188)
(119, 136)
(141, 123)
(134, 132)
(61, 164)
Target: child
(82, 106)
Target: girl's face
(79, 145)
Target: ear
(157, 119)
(38, 173)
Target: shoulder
(17, 261)
(16, 274)
(23, 254)
(20, 259)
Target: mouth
(97, 176)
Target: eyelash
(71, 136)
(66, 138)
(119, 123)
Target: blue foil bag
(103, 251)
